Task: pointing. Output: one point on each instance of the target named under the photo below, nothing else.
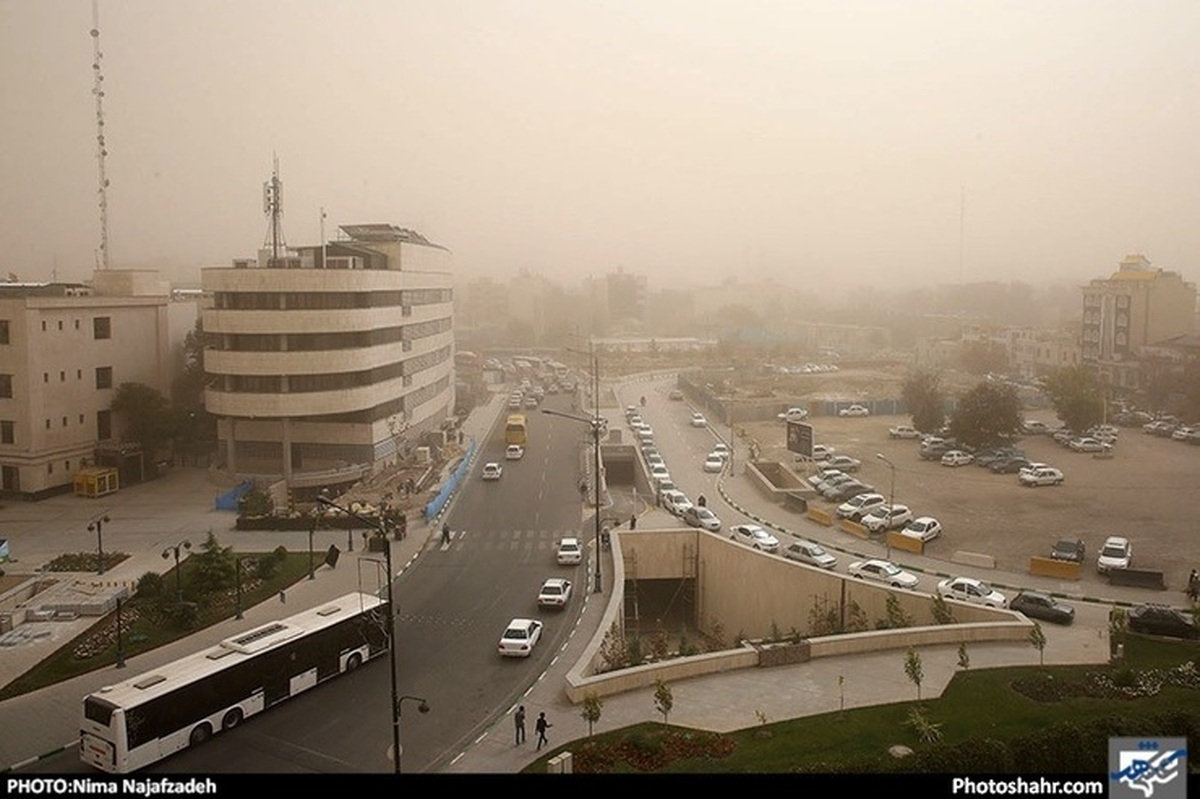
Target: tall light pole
(596, 423)
(381, 523)
(97, 525)
(423, 707)
(318, 512)
(185, 544)
(891, 501)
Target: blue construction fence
(229, 500)
(437, 503)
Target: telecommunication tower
(101, 148)
(273, 208)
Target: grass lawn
(146, 625)
(977, 704)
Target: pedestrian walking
(540, 728)
(1193, 589)
(519, 720)
(446, 534)
(701, 501)
(633, 522)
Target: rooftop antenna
(273, 208)
(101, 149)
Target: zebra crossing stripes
(544, 540)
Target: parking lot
(1148, 491)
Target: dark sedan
(1162, 620)
(1036, 605)
(1071, 549)
(1008, 465)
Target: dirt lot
(1148, 491)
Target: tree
(213, 567)
(1077, 396)
(896, 615)
(942, 612)
(964, 659)
(986, 415)
(146, 415)
(922, 395)
(1038, 639)
(592, 707)
(663, 699)
(912, 668)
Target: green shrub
(150, 585)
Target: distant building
(328, 366)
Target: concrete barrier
(854, 528)
(820, 516)
(904, 543)
(1139, 578)
(1049, 567)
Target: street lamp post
(891, 501)
(120, 639)
(237, 574)
(97, 524)
(318, 512)
(381, 523)
(596, 423)
(423, 707)
(185, 544)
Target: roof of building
(383, 232)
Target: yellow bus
(514, 431)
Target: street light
(381, 523)
(319, 511)
(97, 524)
(423, 707)
(237, 575)
(185, 544)
(596, 423)
(891, 501)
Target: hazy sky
(686, 140)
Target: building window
(104, 425)
(102, 327)
(103, 377)
(3, 331)
(7, 436)
(6, 386)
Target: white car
(887, 518)
(492, 471)
(569, 552)
(1041, 476)
(698, 420)
(822, 452)
(555, 593)
(903, 431)
(956, 457)
(793, 415)
(520, 637)
(675, 502)
(714, 462)
(923, 528)
(811, 553)
(1089, 444)
(1115, 554)
(514, 452)
(703, 518)
(721, 449)
(659, 471)
(843, 463)
(857, 507)
(854, 410)
(754, 536)
(968, 589)
(883, 571)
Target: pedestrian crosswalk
(545, 540)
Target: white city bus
(134, 723)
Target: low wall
(777, 482)
(1062, 569)
(1138, 578)
(905, 543)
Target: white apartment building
(64, 350)
(323, 371)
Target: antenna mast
(101, 150)
(273, 208)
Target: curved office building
(327, 362)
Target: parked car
(842, 462)
(698, 420)
(659, 471)
(1154, 619)
(857, 507)
(1037, 605)
(675, 395)
(1116, 553)
(1088, 444)
(887, 517)
(514, 452)
(956, 457)
(827, 488)
(883, 571)
(1068, 549)
(555, 593)
(492, 471)
(1042, 476)
(923, 528)
(811, 553)
(675, 502)
(793, 415)
(903, 431)
(520, 637)
(755, 537)
(1009, 465)
(821, 476)
(821, 452)
(1034, 427)
(854, 410)
(714, 462)
(703, 518)
(1182, 433)
(721, 448)
(848, 490)
(569, 552)
(968, 589)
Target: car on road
(1088, 444)
(1040, 476)
(886, 517)
(1034, 427)
(904, 431)
(956, 457)
(883, 571)
(968, 589)
(1116, 553)
(675, 395)
(675, 502)
(811, 553)
(854, 410)
(721, 448)
(1068, 549)
(843, 463)
(555, 593)
(520, 637)
(755, 537)
(703, 518)
(492, 471)
(514, 452)
(659, 471)
(793, 415)
(1037, 605)
(569, 552)
(698, 420)
(857, 507)
(1154, 619)
(1009, 465)
(714, 462)
(922, 528)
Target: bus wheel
(200, 735)
(353, 662)
(232, 719)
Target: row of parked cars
(668, 494)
